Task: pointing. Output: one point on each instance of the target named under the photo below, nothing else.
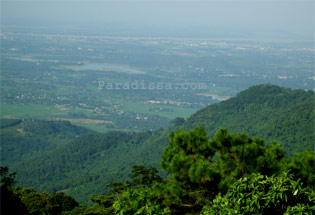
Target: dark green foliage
(178, 121)
(302, 166)
(7, 179)
(127, 198)
(35, 202)
(189, 159)
(197, 177)
(5, 123)
(116, 187)
(258, 194)
(103, 203)
(10, 202)
(43, 128)
(142, 176)
(139, 201)
(43, 203)
(60, 202)
(240, 155)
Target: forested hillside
(57, 156)
(85, 165)
(24, 139)
(227, 174)
(267, 111)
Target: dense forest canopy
(228, 174)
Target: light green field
(171, 111)
(28, 111)
(220, 91)
(49, 112)
(36, 111)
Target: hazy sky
(292, 18)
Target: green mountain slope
(267, 111)
(24, 139)
(84, 165)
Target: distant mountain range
(56, 155)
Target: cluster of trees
(228, 174)
(24, 201)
